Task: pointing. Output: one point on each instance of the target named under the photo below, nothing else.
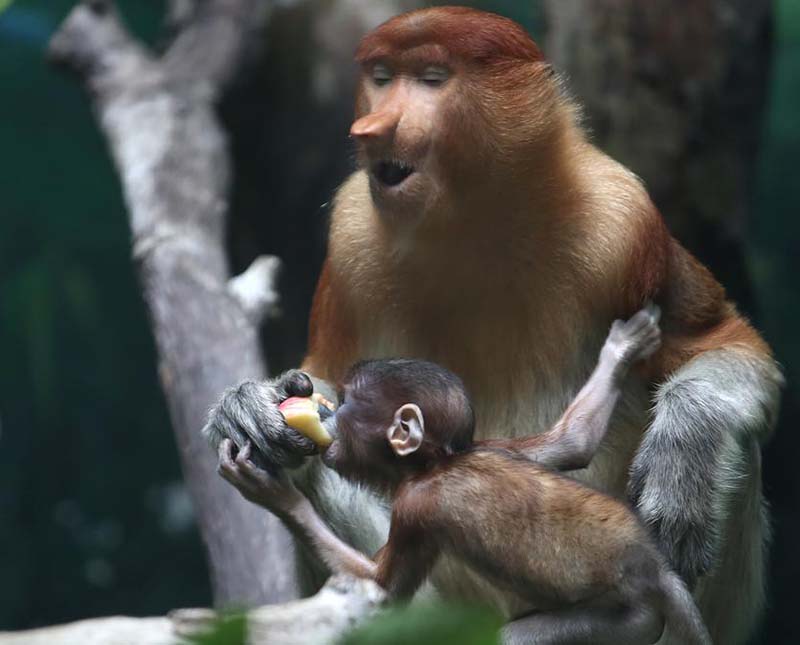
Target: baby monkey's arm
(399, 567)
(574, 439)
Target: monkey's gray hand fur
(689, 476)
(249, 412)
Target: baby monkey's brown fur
(580, 557)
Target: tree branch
(211, 47)
(341, 604)
(171, 154)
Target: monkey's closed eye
(435, 75)
(381, 75)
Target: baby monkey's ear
(405, 433)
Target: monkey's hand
(633, 340)
(275, 492)
(249, 413)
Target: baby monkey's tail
(683, 616)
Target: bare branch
(172, 158)
(93, 43)
(341, 604)
(211, 47)
(171, 154)
(179, 14)
(256, 289)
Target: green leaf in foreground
(226, 630)
(429, 624)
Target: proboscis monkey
(405, 428)
(483, 232)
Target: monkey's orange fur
(525, 244)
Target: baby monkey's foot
(635, 339)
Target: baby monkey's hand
(635, 339)
(274, 491)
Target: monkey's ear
(407, 429)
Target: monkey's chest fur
(521, 376)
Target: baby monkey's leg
(632, 625)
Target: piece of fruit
(302, 414)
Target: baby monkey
(582, 558)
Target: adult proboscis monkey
(484, 232)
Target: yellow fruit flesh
(302, 415)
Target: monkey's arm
(697, 470)
(307, 525)
(406, 559)
(574, 439)
(400, 566)
(279, 495)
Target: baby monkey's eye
(435, 75)
(381, 75)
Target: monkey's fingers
(650, 345)
(291, 441)
(244, 453)
(653, 310)
(272, 490)
(227, 466)
(240, 478)
(225, 454)
(646, 317)
(294, 383)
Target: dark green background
(94, 519)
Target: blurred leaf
(5, 4)
(429, 624)
(227, 630)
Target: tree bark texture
(676, 92)
(341, 604)
(171, 154)
(159, 116)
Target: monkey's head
(397, 417)
(451, 101)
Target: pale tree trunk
(341, 604)
(676, 92)
(158, 114)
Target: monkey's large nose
(375, 125)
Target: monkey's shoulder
(467, 480)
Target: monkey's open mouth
(392, 173)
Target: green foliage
(776, 227)
(429, 624)
(227, 630)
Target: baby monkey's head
(397, 417)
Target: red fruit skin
(292, 401)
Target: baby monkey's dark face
(379, 432)
(360, 451)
